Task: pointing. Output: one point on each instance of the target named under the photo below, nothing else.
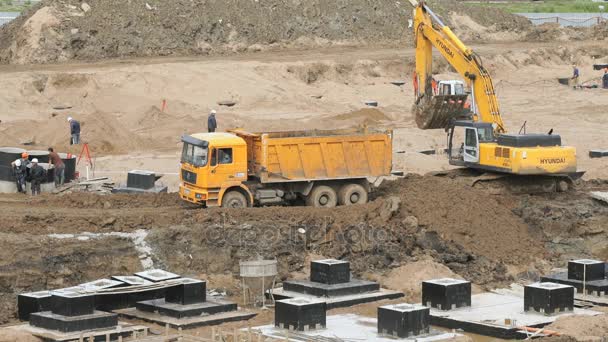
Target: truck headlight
(198, 196)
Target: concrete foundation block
(586, 269)
(403, 320)
(446, 294)
(548, 298)
(300, 314)
(330, 271)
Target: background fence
(5, 17)
(566, 19)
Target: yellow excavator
(477, 138)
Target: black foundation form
(190, 291)
(330, 278)
(446, 294)
(186, 299)
(586, 269)
(593, 287)
(72, 311)
(183, 311)
(72, 304)
(403, 320)
(140, 179)
(355, 286)
(28, 303)
(300, 314)
(330, 271)
(65, 324)
(548, 298)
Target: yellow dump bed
(317, 155)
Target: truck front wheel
(322, 197)
(352, 194)
(234, 199)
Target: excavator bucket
(439, 110)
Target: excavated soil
(63, 30)
(58, 241)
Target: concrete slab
(496, 315)
(341, 301)
(349, 327)
(157, 275)
(123, 329)
(132, 280)
(185, 323)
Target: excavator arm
(437, 111)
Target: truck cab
(211, 165)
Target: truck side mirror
(213, 157)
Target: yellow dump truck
(238, 169)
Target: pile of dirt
(472, 218)
(425, 225)
(554, 32)
(33, 263)
(407, 278)
(366, 116)
(581, 328)
(59, 30)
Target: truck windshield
(458, 89)
(195, 155)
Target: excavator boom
(479, 140)
(432, 113)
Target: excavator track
(500, 183)
(437, 112)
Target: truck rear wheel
(352, 194)
(234, 199)
(322, 197)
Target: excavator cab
(464, 139)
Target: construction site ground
(415, 228)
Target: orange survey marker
(87, 154)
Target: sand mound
(408, 278)
(364, 116)
(59, 30)
(582, 328)
(469, 217)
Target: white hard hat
(213, 111)
(35, 160)
(18, 162)
(70, 118)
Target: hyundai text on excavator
(477, 138)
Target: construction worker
(59, 167)
(605, 79)
(38, 175)
(20, 172)
(211, 122)
(74, 131)
(575, 76)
